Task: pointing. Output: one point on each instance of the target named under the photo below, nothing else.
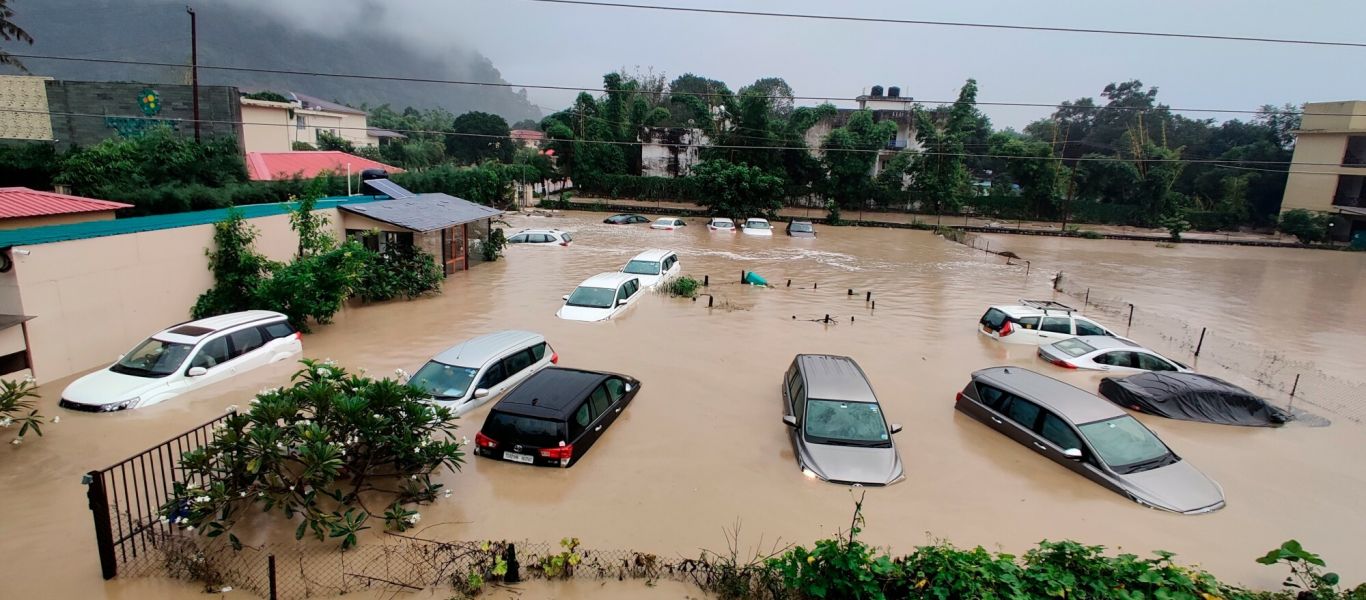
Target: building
(267, 166)
(1328, 171)
(888, 106)
(22, 207)
(670, 151)
(274, 126)
(527, 138)
(438, 224)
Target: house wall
(266, 126)
(670, 151)
(24, 222)
(1312, 186)
(120, 114)
(353, 130)
(26, 99)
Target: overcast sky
(538, 43)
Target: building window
(16, 361)
(1356, 152)
(301, 122)
(1351, 191)
(382, 241)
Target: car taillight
(562, 453)
(1006, 329)
(959, 398)
(1062, 363)
(564, 243)
(554, 358)
(484, 441)
(299, 335)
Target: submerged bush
(683, 286)
(17, 408)
(407, 274)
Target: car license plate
(521, 458)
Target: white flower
(232, 408)
(413, 518)
(448, 493)
(227, 588)
(329, 362)
(242, 494)
(291, 488)
(465, 440)
(5, 422)
(401, 374)
(190, 528)
(17, 441)
(414, 478)
(56, 420)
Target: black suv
(553, 417)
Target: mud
(702, 447)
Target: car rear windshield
(1124, 443)
(758, 225)
(642, 267)
(444, 381)
(535, 432)
(153, 358)
(1074, 347)
(993, 318)
(592, 297)
(845, 424)
(801, 227)
(722, 224)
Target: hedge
(642, 188)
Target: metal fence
(126, 499)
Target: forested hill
(158, 31)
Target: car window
(517, 429)
(1123, 441)
(517, 239)
(444, 381)
(566, 237)
(512, 365)
(1022, 411)
(1028, 322)
(1059, 432)
(992, 397)
(600, 400)
(799, 399)
(1057, 324)
(245, 340)
(1121, 358)
(616, 388)
(493, 376)
(278, 330)
(1085, 327)
(621, 292)
(213, 353)
(538, 351)
(1074, 347)
(1153, 363)
(993, 318)
(579, 423)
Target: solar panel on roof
(389, 188)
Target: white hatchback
(754, 226)
(186, 357)
(1036, 322)
(668, 223)
(721, 224)
(601, 297)
(469, 374)
(541, 237)
(653, 266)
(1107, 353)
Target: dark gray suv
(1090, 436)
(836, 424)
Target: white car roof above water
(653, 254)
(192, 331)
(722, 220)
(612, 280)
(475, 352)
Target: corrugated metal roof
(30, 236)
(24, 202)
(383, 133)
(266, 166)
(424, 212)
(316, 103)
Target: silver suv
(836, 424)
(468, 374)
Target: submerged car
(721, 224)
(186, 357)
(755, 226)
(554, 417)
(801, 229)
(1106, 353)
(625, 219)
(469, 374)
(668, 223)
(1036, 322)
(653, 267)
(1090, 436)
(835, 423)
(541, 237)
(1192, 397)
(601, 297)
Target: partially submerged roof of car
(756, 219)
(834, 378)
(1066, 400)
(722, 220)
(1038, 308)
(191, 332)
(611, 280)
(549, 231)
(550, 393)
(1107, 342)
(475, 352)
(653, 254)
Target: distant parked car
(1088, 435)
(800, 229)
(1106, 353)
(668, 223)
(601, 297)
(186, 357)
(625, 219)
(1036, 322)
(835, 423)
(554, 417)
(721, 224)
(758, 227)
(541, 237)
(653, 266)
(466, 375)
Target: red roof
(17, 202)
(265, 166)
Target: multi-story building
(888, 106)
(1328, 171)
(273, 126)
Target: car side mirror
(629, 387)
(621, 302)
(481, 393)
(565, 297)
(790, 420)
(896, 428)
(197, 372)
(1072, 453)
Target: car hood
(849, 464)
(757, 231)
(107, 387)
(1178, 487)
(583, 313)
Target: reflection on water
(703, 444)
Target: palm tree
(11, 32)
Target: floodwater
(703, 448)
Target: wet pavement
(702, 447)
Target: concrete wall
(266, 126)
(27, 119)
(670, 151)
(117, 112)
(1312, 186)
(23, 222)
(1334, 116)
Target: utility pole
(194, 70)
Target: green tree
(849, 154)
(11, 32)
(157, 157)
(530, 124)
(738, 191)
(1309, 227)
(331, 141)
(237, 268)
(479, 136)
(939, 173)
(778, 93)
(1031, 165)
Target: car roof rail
(1047, 305)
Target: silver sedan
(1107, 353)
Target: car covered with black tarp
(1192, 397)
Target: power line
(1159, 34)
(566, 88)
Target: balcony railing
(1349, 200)
(896, 145)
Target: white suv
(541, 237)
(653, 266)
(186, 357)
(1037, 322)
(470, 373)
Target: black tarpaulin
(1192, 397)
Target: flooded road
(703, 447)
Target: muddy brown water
(703, 447)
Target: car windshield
(801, 227)
(1074, 347)
(722, 224)
(757, 225)
(1125, 444)
(642, 267)
(592, 297)
(153, 358)
(526, 431)
(444, 381)
(845, 424)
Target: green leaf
(236, 543)
(1330, 578)
(299, 533)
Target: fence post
(1200, 343)
(706, 280)
(104, 533)
(1131, 314)
(1086, 301)
(514, 573)
(270, 574)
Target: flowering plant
(16, 408)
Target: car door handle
(598, 428)
(996, 421)
(1040, 446)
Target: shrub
(312, 287)
(1091, 235)
(237, 268)
(832, 216)
(302, 147)
(837, 568)
(1309, 227)
(644, 188)
(684, 286)
(1175, 224)
(157, 157)
(408, 274)
(313, 449)
(492, 248)
(15, 407)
